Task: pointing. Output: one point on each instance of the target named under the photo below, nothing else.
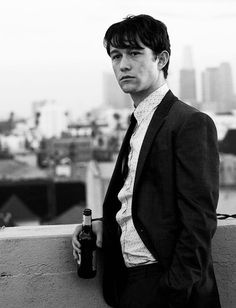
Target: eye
(134, 53)
(115, 57)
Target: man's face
(136, 70)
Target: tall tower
(226, 92)
(188, 78)
(210, 88)
(217, 88)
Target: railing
(37, 269)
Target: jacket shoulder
(182, 112)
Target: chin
(127, 89)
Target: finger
(99, 240)
(75, 255)
(76, 232)
(76, 248)
(79, 259)
(75, 240)
(76, 243)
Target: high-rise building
(50, 118)
(210, 88)
(188, 86)
(188, 78)
(217, 88)
(114, 97)
(226, 92)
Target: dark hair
(141, 28)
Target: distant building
(217, 88)
(13, 143)
(188, 86)
(110, 121)
(56, 149)
(227, 169)
(37, 105)
(226, 91)
(210, 88)
(63, 152)
(50, 118)
(187, 91)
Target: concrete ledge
(37, 268)
(224, 257)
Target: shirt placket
(143, 116)
(128, 190)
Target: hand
(97, 230)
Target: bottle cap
(87, 212)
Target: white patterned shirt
(133, 249)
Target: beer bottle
(87, 261)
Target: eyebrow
(116, 50)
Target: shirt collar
(150, 103)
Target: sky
(53, 49)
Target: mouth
(127, 77)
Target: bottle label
(86, 220)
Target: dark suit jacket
(174, 206)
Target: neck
(138, 97)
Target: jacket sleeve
(197, 174)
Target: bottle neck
(87, 222)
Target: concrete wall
(224, 257)
(37, 269)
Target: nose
(125, 64)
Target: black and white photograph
(117, 154)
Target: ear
(163, 59)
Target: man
(159, 213)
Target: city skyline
(53, 50)
(217, 88)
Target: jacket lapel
(116, 181)
(157, 121)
